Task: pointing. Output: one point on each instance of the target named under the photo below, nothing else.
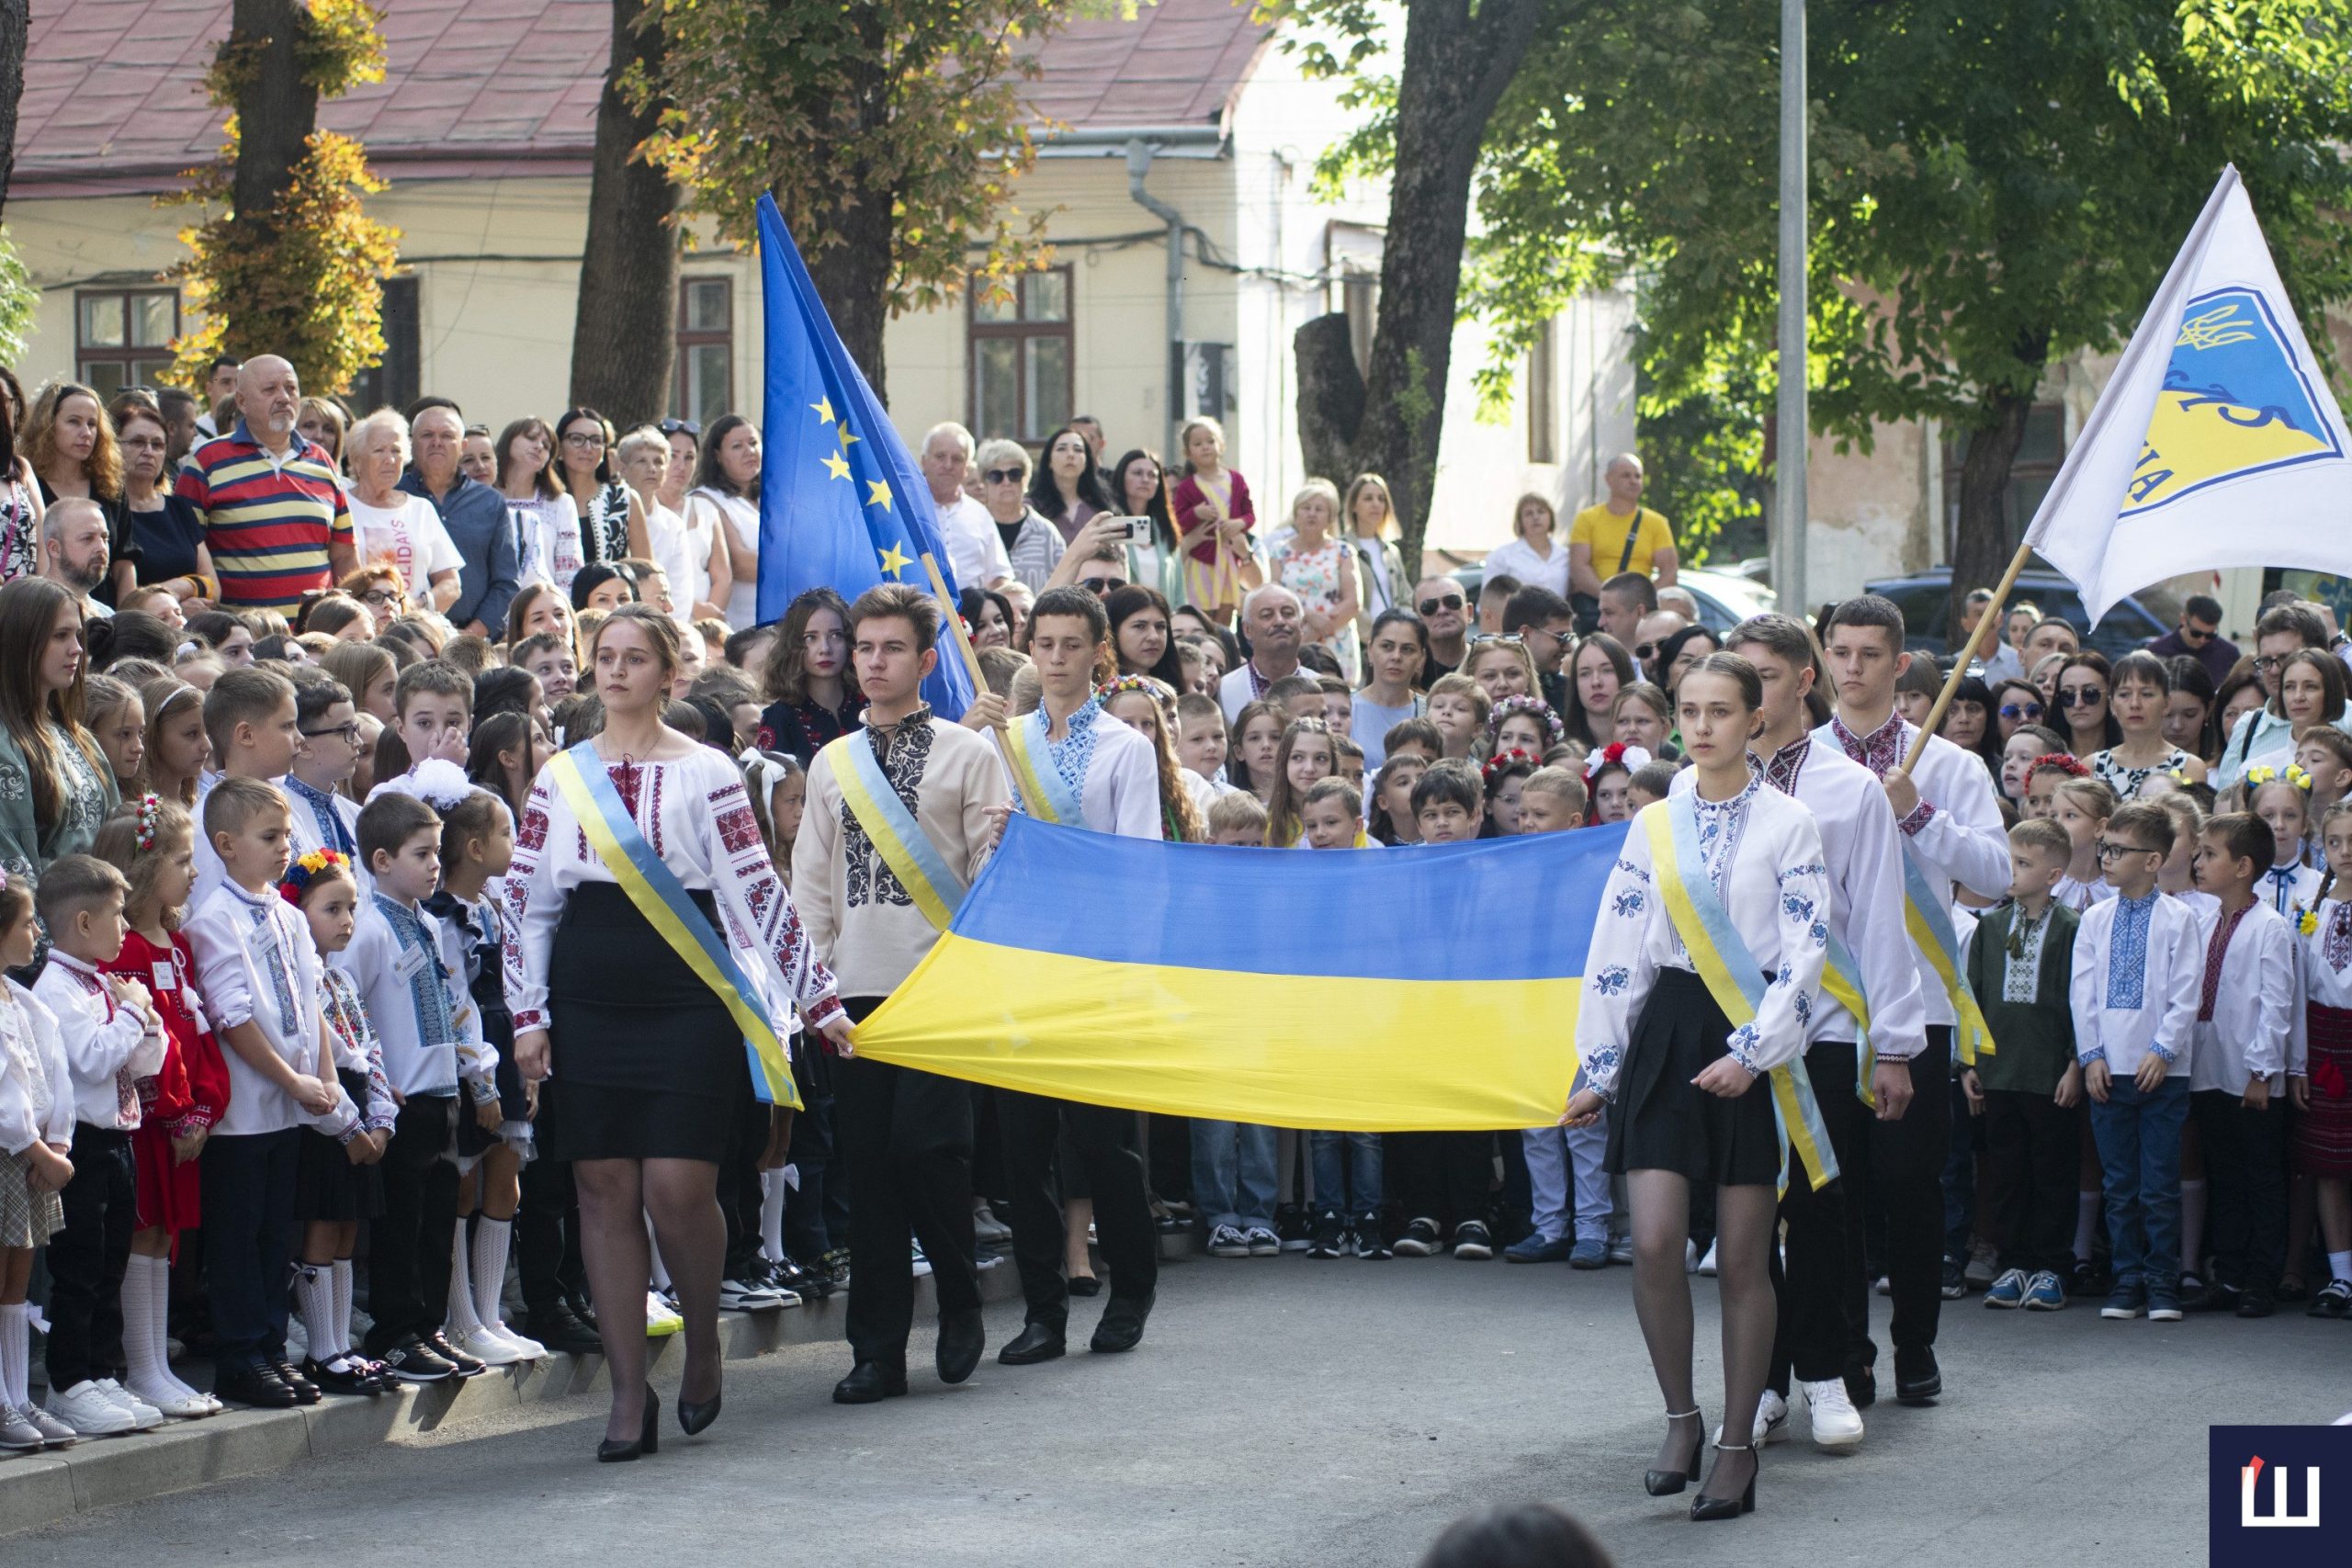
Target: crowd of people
(368, 783)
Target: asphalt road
(1285, 1410)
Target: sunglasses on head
(2020, 710)
(1003, 476)
(675, 427)
(1443, 602)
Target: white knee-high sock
(2339, 1265)
(462, 1320)
(772, 1214)
(493, 1239)
(142, 1350)
(158, 1330)
(2086, 1220)
(2194, 1197)
(314, 1293)
(16, 1353)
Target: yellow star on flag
(878, 494)
(836, 467)
(894, 562)
(847, 439)
(824, 407)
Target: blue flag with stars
(842, 504)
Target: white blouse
(1518, 558)
(35, 1083)
(1762, 852)
(2258, 1005)
(548, 534)
(742, 518)
(409, 536)
(694, 813)
(2326, 971)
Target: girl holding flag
(1707, 954)
(649, 1020)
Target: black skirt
(645, 1061)
(1663, 1121)
(327, 1185)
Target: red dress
(190, 1092)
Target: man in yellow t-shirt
(1598, 538)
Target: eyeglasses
(582, 439)
(2081, 697)
(1003, 476)
(2111, 851)
(2020, 710)
(1443, 602)
(681, 426)
(348, 733)
(2270, 662)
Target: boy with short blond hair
(1237, 819)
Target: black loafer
(962, 1336)
(1918, 1379)
(305, 1391)
(1035, 1343)
(870, 1384)
(1122, 1325)
(560, 1329)
(253, 1382)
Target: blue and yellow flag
(842, 504)
(1373, 990)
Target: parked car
(1925, 600)
(1725, 598)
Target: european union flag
(842, 504)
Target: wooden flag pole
(1994, 614)
(954, 615)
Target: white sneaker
(1707, 1264)
(922, 1264)
(179, 1404)
(490, 1348)
(1772, 1421)
(147, 1417)
(660, 1321)
(1689, 1256)
(1837, 1424)
(532, 1350)
(86, 1409)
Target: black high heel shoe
(648, 1441)
(694, 1414)
(1705, 1507)
(1666, 1482)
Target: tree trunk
(1981, 547)
(276, 110)
(16, 23)
(1331, 395)
(1459, 59)
(625, 335)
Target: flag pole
(953, 614)
(1995, 613)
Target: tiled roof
(113, 97)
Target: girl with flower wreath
(1523, 723)
(2082, 807)
(1506, 773)
(1609, 781)
(2281, 797)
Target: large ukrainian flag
(1369, 990)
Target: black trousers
(2245, 1170)
(1822, 1284)
(1171, 1173)
(546, 1236)
(249, 1231)
(907, 1136)
(808, 1217)
(1907, 1176)
(1104, 1142)
(2032, 1156)
(88, 1257)
(409, 1244)
(1443, 1177)
(738, 1186)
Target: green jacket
(26, 845)
(2034, 1041)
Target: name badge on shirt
(167, 975)
(261, 939)
(410, 960)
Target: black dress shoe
(559, 1328)
(694, 1414)
(869, 1382)
(1036, 1343)
(614, 1450)
(962, 1336)
(1666, 1482)
(1918, 1379)
(1122, 1325)
(255, 1383)
(1861, 1387)
(2257, 1303)
(802, 1281)
(305, 1391)
(1703, 1507)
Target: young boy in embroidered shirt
(2020, 963)
(2246, 1009)
(258, 973)
(112, 1038)
(431, 1038)
(326, 752)
(249, 716)
(2134, 994)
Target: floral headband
(2293, 775)
(2064, 763)
(1616, 755)
(309, 869)
(1503, 762)
(1534, 707)
(1119, 685)
(149, 812)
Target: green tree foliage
(1996, 184)
(18, 299)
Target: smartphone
(1136, 530)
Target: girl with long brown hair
(56, 785)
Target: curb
(39, 1489)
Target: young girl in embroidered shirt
(2280, 798)
(2319, 1147)
(35, 1141)
(152, 843)
(2082, 807)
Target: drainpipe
(1139, 155)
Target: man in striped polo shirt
(274, 517)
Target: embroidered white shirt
(2137, 993)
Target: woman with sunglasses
(2086, 709)
(2017, 703)
(2142, 686)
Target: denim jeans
(1565, 1176)
(1233, 1174)
(1347, 1172)
(2139, 1156)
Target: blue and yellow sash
(1925, 916)
(897, 837)
(663, 901)
(1045, 793)
(1841, 976)
(1732, 977)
